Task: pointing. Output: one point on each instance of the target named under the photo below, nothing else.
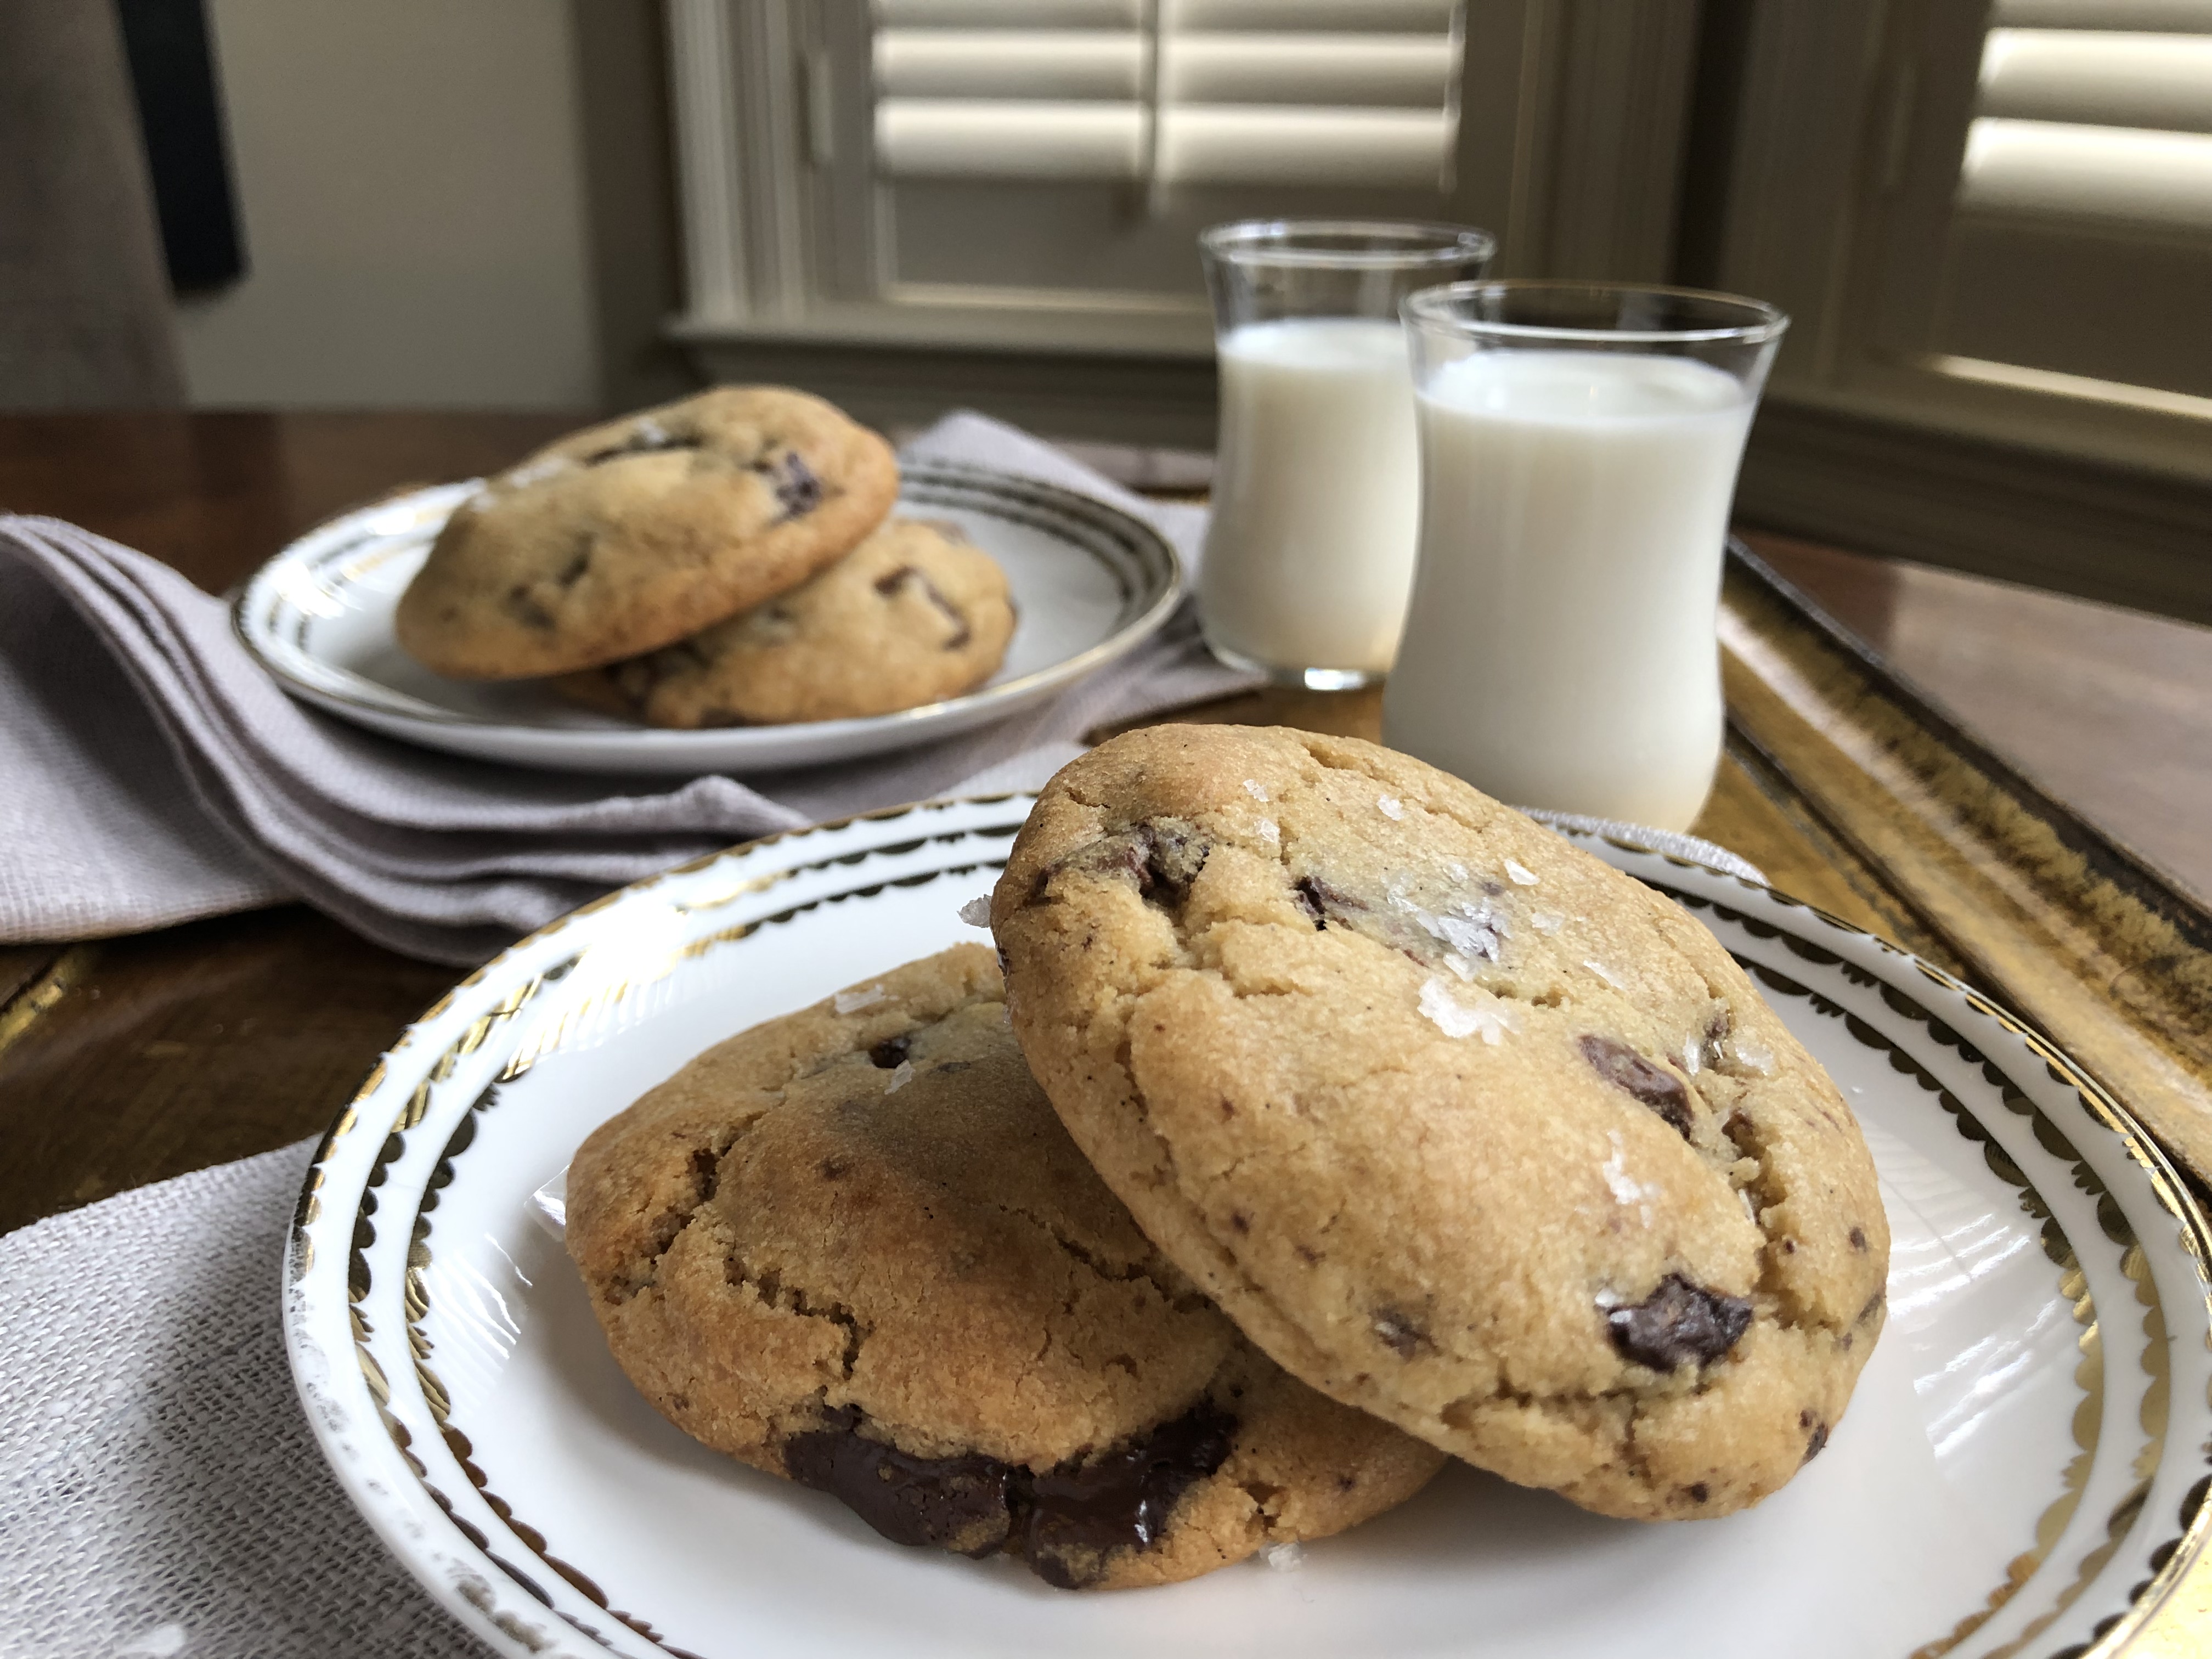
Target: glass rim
(1269, 241)
(1430, 309)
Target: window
(2082, 239)
(997, 201)
(1993, 223)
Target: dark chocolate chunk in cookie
(957, 1504)
(798, 491)
(1678, 1324)
(1082, 1514)
(1629, 1071)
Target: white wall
(410, 175)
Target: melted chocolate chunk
(1164, 856)
(1857, 1238)
(892, 581)
(581, 562)
(1678, 1324)
(891, 1051)
(1082, 1514)
(1629, 1071)
(1321, 900)
(1401, 1333)
(1816, 1445)
(522, 604)
(1067, 1523)
(1178, 854)
(798, 491)
(959, 1503)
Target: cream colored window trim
(1569, 121)
(1853, 130)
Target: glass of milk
(1309, 557)
(1579, 447)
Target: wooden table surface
(127, 1060)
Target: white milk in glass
(1561, 650)
(1315, 494)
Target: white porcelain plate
(1090, 583)
(2019, 1473)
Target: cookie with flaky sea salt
(1464, 1127)
(854, 1246)
(916, 613)
(627, 536)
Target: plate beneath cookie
(2020, 1471)
(1090, 584)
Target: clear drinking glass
(1579, 448)
(1310, 555)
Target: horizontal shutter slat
(1259, 144)
(2156, 16)
(2109, 80)
(1412, 71)
(1297, 16)
(1028, 64)
(1007, 14)
(2122, 178)
(1005, 138)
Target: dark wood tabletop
(126, 1060)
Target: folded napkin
(154, 773)
(161, 1493)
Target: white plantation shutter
(2096, 113)
(1207, 93)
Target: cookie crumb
(902, 1074)
(976, 913)
(1254, 788)
(1521, 875)
(851, 1002)
(1390, 807)
(1284, 1558)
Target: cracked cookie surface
(854, 1246)
(1462, 1127)
(916, 613)
(627, 536)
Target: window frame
(1572, 120)
(1851, 246)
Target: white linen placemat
(154, 773)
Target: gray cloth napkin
(151, 773)
(161, 1493)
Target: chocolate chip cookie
(854, 1246)
(1462, 1125)
(915, 613)
(627, 536)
